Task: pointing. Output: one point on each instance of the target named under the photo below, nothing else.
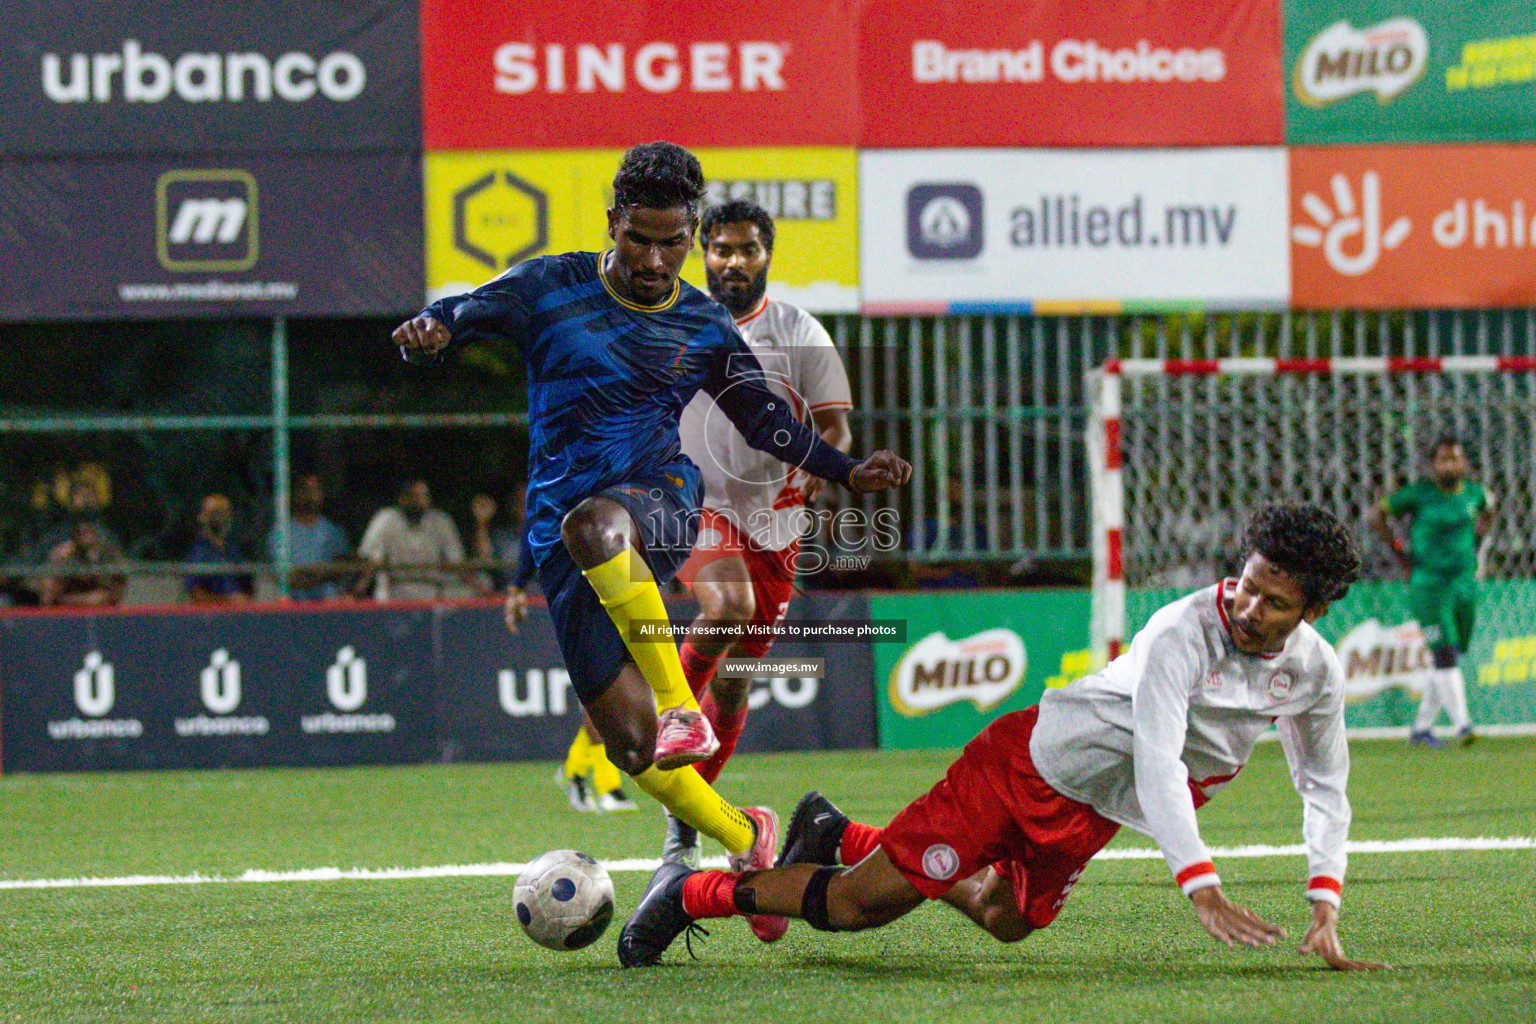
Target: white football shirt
(1179, 713)
(760, 494)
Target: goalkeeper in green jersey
(1447, 515)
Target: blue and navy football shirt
(608, 379)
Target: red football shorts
(772, 573)
(994, 808)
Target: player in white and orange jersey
(742, 570)
(1006, 834)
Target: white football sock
(1429, 704)
(1454, 697)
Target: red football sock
(859, 841)
(698, 669)
(727, 731)
(710, 894)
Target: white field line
(637, 865)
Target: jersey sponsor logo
(658, 66)
(133, 74)
(206, 220)
(1378, 657)
(940, 862)
(1280, 686)
(936, 672)
(1342, 61)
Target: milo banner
(1410, 71)
(1386, 661)
(971, 657)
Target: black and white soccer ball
(564, 900)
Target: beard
(733, 296)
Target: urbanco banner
(1388, 227)
(1362, 71)
(1019, 73)
(143, 77)
(335, 234)
(1059, 230)
(489, 210)
(499, 74)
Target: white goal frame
(1105, 436)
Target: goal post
(1182, 451)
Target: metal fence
(990, 409)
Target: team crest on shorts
(940, 862)
(1280, 686)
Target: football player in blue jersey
(615, 346)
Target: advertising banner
(508, 698)
(1018, 73)
(1385, 660)
(333, 235)
(489, 210)
(972, 657)
(1057, 231)
(1409, 71)
(362, 685)
(212, 690)
(1388, 227)
(498, 74)
(140, 77)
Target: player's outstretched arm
(1322, 938)
(1230, 923)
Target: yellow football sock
(628, 591)
(604, 775)
(578, 760)
(689, 797)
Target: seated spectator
(504, 545)
(410, 533)
(214, 546)
(313, 541)
(89, 546)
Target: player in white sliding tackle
(1006, 834)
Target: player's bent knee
(595, 529)
(631, 760)
(1006, 927)
(727, 604)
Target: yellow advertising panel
(486, 210)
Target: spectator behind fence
(942, 575)
(503, 545)
(88, 546)
(313, 541)
(214, 546)
(410, 533)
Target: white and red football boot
(767, 927)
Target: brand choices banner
(315, 235)
(1054, 230)
(1410, 71)
(349, 686)
(1395, 226)
(1120, 73)
(489, 210)
(972, 657)
(136, 77)
(504, 74)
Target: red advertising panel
(1031, 73)
(561, 73)
(1413, 226)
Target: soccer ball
(564, 900)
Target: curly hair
(738, 211)
(659, 176)
(1311, 545)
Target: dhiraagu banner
(489, 209)
(1364, 71)
(972, 656)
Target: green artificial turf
(1458, 927)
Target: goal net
(1183, 450)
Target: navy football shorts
(594, 652)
